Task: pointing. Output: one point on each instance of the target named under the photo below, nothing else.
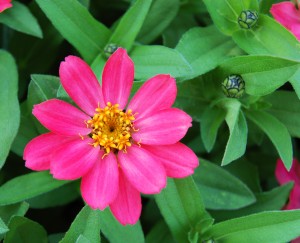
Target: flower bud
(247, 19)
(233, 86)
(110, 49)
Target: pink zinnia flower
(288, 15)
(283, 176)
(5, 4)
(118, 150)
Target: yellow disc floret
(111, 128)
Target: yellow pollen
(111, 128)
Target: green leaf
(130, 24)
(277, 133)
(17, 209)
(115, 232)
(268, 38)
(3, 227)
(26, 231)
(28, 186)
(182, 207)
(211, 121)
(158, 18)
(20, 18)
(9, 107)
(220, 189)
(204, 48)
(265, 201)
(86, 223)
(262, 74)
(295, 82)
(82, 239)
(160, 233)
(152, 60)
(267, 227)
(225, 13)
(286, 108)
(77, 26)
(236, 145)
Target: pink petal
(283, 176)
(81, 84)
(117, 78)
(127, 206)
(39, 150)
(294, 200)
(62, 118)
(142, 170)
(156, 94)
(164, 127)
(74, 159)
(295, 29)
(5, 4)
(285, 13)
(100, 186)
(178, 159)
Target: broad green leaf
(262, 74)
(28, 186)
(158, 18)
(41, 88)
(3, 227)
(286, 108)
(9, 105)
(26, 231)
(267, 227)
(265, 201)
(182, 207)
(295, 82)
(225, 13)
(86, 223)
(57, 197)
(130, 24)
(277, 133)
(268, 38)
(21, 19)
(160, 233)
(237, 125)
(220, 189)
(77, 26)
(152, 60)
(204, 48)
(115, 232)
(211, 121)
(17, 209)
(82, 239)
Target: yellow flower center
(111, 128)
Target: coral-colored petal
(74, 159)
(127, 206)
(62, 118)
(100, 186)
(164, 127)
(156, 94)
(294, 200)
(283, 176)
(117, 78)
(81, 84)
(5, 4)
(285, 13)
(178, 159)
(39, 150)
(143, 171)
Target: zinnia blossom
(119, 151)
(288, 15)
(5, 4)
(283, 176)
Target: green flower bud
(247, 19)
(233, 86)
(110, 49)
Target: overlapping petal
(164, 127)
(142, 170)
(160, 92)
(74, 159)
(81, 84)
(283, 176)
(39, 150)
(62, 118)
(285, 13)
(294, 200)
(100, 186)
(5, 4)
(127, 206)
(117, 78)
(178, 159)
